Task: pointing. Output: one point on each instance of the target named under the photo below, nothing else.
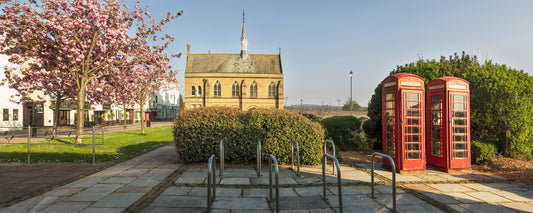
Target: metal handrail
(211, 176)
(326, 151)
(221, 157)
(258, 156)
(297, 156)
(393, 178)
(270, 159)
(339, 182)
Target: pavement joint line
(156, 191)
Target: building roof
(233, 63)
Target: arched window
(217, 89)
(193, 91)
(272, 90)
(235, 89)
(199, 91)
(253, 90)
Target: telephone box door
(412, 122)
(459, 131)
(436, 131)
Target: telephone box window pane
(460, 154)
(460, 146)
(389, 97)
(436, 152)
(460, 138)
(435, 129)
(459, 98)
(459, 114)
(390, 121)
(459, 122)
(436, 114)
(412, 138)
(412, 121)
(459, 130)
(390, 152)
(436, 121)
(390, 137)
(413, 147)
(435, 144)
(413, 155)
(412, 113)
(435, 106)
(435, 137)
(389, 104)
(460, 106)
(389, 112)
(412, 97)
(390, 129)
(411, 105)
(389, 145)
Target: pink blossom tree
(151, 76)
(77, 40)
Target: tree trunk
(56, 116)
(124, 113)
(79, 116)
(142, 118)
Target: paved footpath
(156, 182)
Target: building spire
(244, 40)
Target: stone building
(242, 80)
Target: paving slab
(94, 193)
(173, 190)
(250, 203)
(118, 200)
(264, 192)
(481, 208)
(302, 203)
(488, 197)
(220, 192)
(180, 201)
(103, 210)
(519, 206)
(451, 188)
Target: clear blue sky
(321, 41)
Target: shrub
(197, 134)
(483, 153)
(340, 129)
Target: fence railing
(393, 178)
(53, 136)
(211, 182)
(273, 159)
(326, 151)
(339, 182)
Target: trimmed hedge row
(197, 134)
(341, 129)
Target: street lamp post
(302, 106)
(351, 104)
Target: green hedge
(483, 153)
(341, 129)
(197, 134)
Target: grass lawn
(117, 146)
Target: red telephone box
(448, 124)
(402, 104)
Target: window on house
(6, 114)
(217, 89)
(235, 89)
(253, 90)
(15, 114)
(199, 91)
(271, 90)
(193, 91)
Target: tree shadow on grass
(118, 154)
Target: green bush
(340, 129)
(197, 134)
(483, 153)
